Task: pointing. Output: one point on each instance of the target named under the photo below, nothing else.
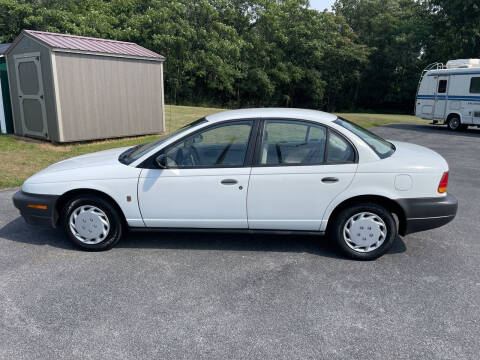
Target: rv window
(442, 86)
(475, 85)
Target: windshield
(382, 147)
(136, 152)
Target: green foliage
(367, 54)
(457, 25)
(394, 29)
(405, 36)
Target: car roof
(278, 113)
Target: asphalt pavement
(217, 296)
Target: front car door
(201, 180)
(300, 168)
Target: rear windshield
(381, 146)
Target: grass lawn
(370, 120)
(20, 158)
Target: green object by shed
(7, 107)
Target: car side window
(290, 142)
(339, 150)
(224, 145)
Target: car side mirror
(161, 161)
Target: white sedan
(249, 170)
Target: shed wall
(104, 97)
(24, 46)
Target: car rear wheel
(364, 231)
(92, 223)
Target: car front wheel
(92, 223)
(364, 231)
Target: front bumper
(427, 213)
(37, 209)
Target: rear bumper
(427, 213)
(37, 209)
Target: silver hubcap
(89, 224)
(364, 232)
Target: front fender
(122, 191)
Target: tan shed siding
(104, 97)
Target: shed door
(30, 95)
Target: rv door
(441, 98)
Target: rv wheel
(454, 123)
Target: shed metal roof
(83, 44)
(3, 48)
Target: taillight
(442, 187)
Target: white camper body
(450, 94)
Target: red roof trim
(89, 44)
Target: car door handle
(229, 182)
(330, 180)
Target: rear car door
(200, 181)
(300, 168)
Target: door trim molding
(226, 230)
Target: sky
(322, 4)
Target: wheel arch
(65, 197)
(386, 202)
(452, 115)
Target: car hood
(102, 165)
(100, 158)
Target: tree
(455, 30)
(295, 56)
(366, 54)
(394, 29)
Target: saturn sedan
(249, 170)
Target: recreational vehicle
(450, 94)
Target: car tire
(369, 227)
(92, 223)
(455, 124)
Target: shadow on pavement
(18, 230)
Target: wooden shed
(67, 88)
